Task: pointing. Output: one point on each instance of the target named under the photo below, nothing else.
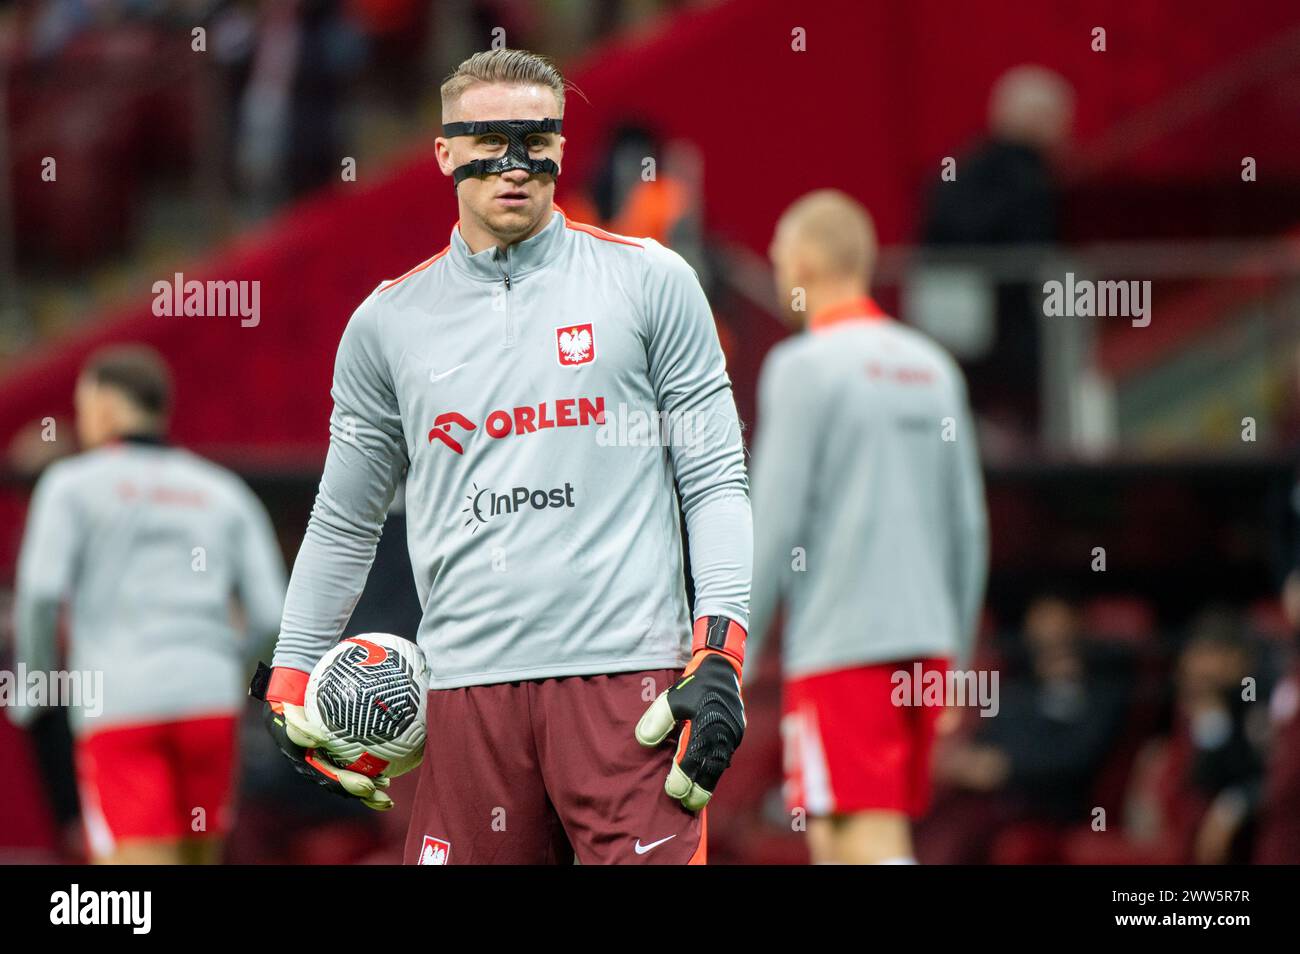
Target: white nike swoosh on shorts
(642, 849)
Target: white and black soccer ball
(367, 697)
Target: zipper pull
(507, 279)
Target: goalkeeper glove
(707, 698)
(283, 690)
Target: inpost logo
(483, 504)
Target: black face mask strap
(516, 133)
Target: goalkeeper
(575, 709)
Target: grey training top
(868, 500)
(543, 402)
(152, 546)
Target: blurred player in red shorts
(869, 523)
(151, 546)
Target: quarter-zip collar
(495, 263)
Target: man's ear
(560, 159)
(116, 410)
(442, 150)
(803, 271)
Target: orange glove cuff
(720, 634)
(287, 685)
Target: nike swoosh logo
(436, 376)
(642, 849)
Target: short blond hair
(503, 66)
(837, 229)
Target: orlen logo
(900, 375)
(483, 504)
(442, 429)
(525, 419)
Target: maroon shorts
(540, 772)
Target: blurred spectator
(1226, 767)
(1004, 193)
(1278, 840)
(1033, 763)
(290, 134)
(664, 201)
(397, 32)
(1056, 720)
(1194, 794)
(644, 187)
(1279, 825)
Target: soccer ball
(366, 697)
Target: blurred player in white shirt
(869, 524)
(151, 548)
